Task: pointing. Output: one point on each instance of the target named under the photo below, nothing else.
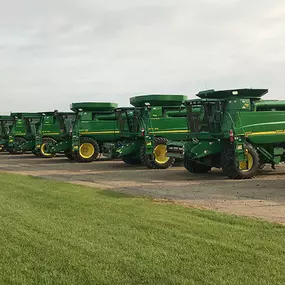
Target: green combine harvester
(23, 132)
(55, 127)
(94, 126)
(235, 131)
(6, 123)
(146, 128)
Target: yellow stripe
(176, 131)
(50, 133)
(117, 132)
(265, 133)
(105, 132)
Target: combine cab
(6, 123)
(146, 128)
(23, 132)
(55, 127)
(235, 131)
(94, 127)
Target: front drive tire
(243, 170)
(89, 150)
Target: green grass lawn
(56, 233)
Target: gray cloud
(53, 53)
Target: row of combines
(137, 134)
(234, 130)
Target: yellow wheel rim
(160, 154)
(246, 165)
(86, 150)
(43, 150)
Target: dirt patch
(266, 210)
(262, 197)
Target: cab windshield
(205, 116)
(129, 120)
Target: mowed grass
(57, 233)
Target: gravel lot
(261, 197)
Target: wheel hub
(160, 154)
(44, 150)
(86, 150)
(246, 165)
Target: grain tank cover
(157, 100)
(26, 115)
(270, 104)
(93, 106)
(56, 112)
(6, 118)
(245, 93)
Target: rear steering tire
(194, 167)
(131, 161)
(261, 166)
(69, 155)
(243, 170)
(159, 159)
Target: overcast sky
(54, 52)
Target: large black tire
(261, 165)
(45, 142)
(157, 160)
(194, 167)
(232, 170)
(37, 154)
(131, 161)
(18, 141)
(70, 156)
(89, 150)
